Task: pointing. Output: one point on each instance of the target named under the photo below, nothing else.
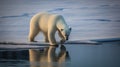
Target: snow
(89, 19)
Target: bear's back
(43, 21)
(46, 19)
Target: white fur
(48, 24)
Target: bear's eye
(61, 29)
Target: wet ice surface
(89, 19)
(81, 55)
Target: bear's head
(66, 32)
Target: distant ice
(89, 19)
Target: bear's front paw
(62, 41)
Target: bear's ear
(70, 28)
(61, 29)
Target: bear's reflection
(48, 56)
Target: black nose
(67, 38)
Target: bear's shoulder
(57, 16)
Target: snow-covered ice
(89, 19)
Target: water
(82, 55)
(89, 19)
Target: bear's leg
(46, 37)
(62, 38)
(33, 32)
(51, 38)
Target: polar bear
(48, 24)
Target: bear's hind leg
(46, 37)
(32, 34)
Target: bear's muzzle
(67, 37)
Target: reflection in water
(14, 55)
(48, 57)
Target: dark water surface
(81, 55)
